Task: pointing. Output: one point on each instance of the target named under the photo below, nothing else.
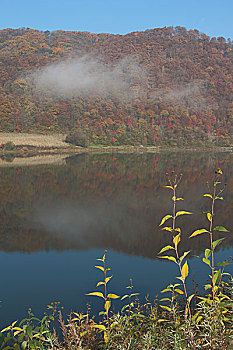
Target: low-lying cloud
(86, 76)
(125, 80)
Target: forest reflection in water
(103, 201)
(107, 201)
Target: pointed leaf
(223, 263)
(198, 232)
(99, 284)
(113, 296)
(184, 255)
(207, 253)
(100, 268)
(165, 307)
(216, 277)
(217, 242)
(206, 261)
(167, 229)
(176, 240)
(165, 299)
(220, 228)
(171, 258)
(190, 298)
(166, 290)
(207, 286)
(165, 218)
(164, 249)
(209, 216)
(96, 294)
(124, 296)
(183, 213)
(208, 195)
(185, 270)
(178, 291)
(99, 326)
(168, 187)
(107, 305)
(108, 279)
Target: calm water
(56, 220)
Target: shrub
(77, 138)
(9, 146)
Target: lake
(57, 219)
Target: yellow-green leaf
(190, 298)
(108, 279)
(113, 296)
(105, 337)
(99, 284)
(162, 320)
(168, 187)
(171, 258)
(165, 307)
(100, 268)
(165, 218)
(185, 270)
(206, 261)
(164, 249)
(216, 277)
(99, 326)
(183, 213)
(209, 216)
(207, 286)
(220, 228)
(178, 291)
(107, 305)
(96, 294)
(207, 253)
(177, 199)
(198, 232)
(166, 290)
(167, 229)
(184, 255)
(207, 195)
(217, 242)
(176, 240)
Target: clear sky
(213, 17)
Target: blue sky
(212, 17)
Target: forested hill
(161, 86)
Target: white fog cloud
(86, 75)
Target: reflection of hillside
(106, 201)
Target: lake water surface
(55, 220)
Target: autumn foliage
(185, 98)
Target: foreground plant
(200, 321)
(107, 297)
(213, 308)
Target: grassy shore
(28, 145)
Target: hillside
(162, 86)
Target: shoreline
(31, 145)
(26, 151)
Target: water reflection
(107, 201)
(65, 215)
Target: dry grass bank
(56, 159)
(37, 140)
